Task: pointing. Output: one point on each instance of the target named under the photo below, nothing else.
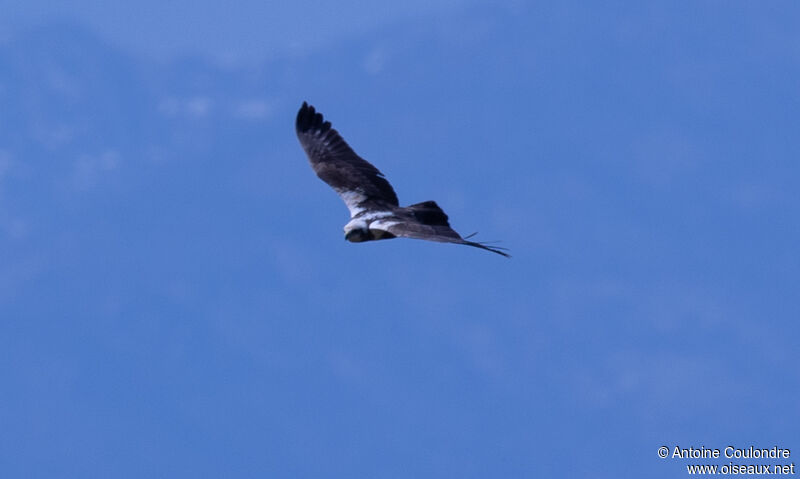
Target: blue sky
(177, 299)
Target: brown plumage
(374, 210)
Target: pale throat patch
(371, 221)
(355, 224)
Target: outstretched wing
(356, 181)
(426, 221)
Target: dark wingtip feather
(308, 119)
(304, 116)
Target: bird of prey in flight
(374, 210)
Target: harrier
(375, 213)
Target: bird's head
(357, 231)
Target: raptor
(375, 212)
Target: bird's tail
(485, 245)
(429, 213)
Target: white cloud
(196, 107)
(88, 169)
(250, 109)
(375, 60)
(253, 109)
(248, 32)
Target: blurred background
(177, 299)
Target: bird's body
(375, 212)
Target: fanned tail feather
(483, 245)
